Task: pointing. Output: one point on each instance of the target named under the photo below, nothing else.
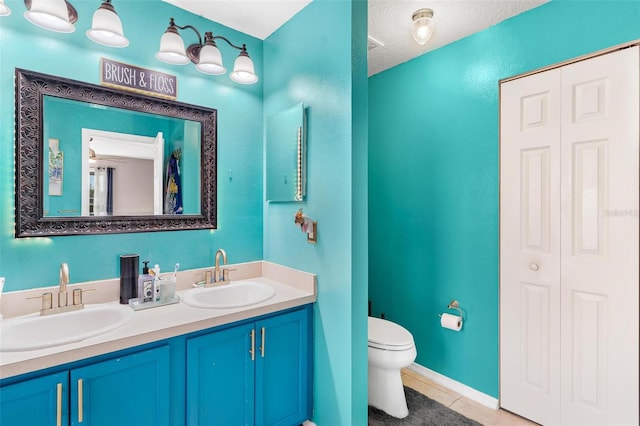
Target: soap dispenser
(145, 285)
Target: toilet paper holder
(454, 305)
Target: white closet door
(569, 233)
(530, 247)
(599, 317)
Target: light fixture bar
(206, 56)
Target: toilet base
(386, 392)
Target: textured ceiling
(258, 18)
(389, 21)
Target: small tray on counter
(140, 306)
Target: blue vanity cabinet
(283, 369)
(41, 401)
(220, 379)
(128, 390)
(255, 373)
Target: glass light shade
(51, 15)
(172, 49)
(210, 60)
(243, 72)
(422, 27)
(106, 29)
(4, 9)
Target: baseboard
(462, 389)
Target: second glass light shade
(210, 60)
(243, 71)
(172, 49)
(106, 27)
(51, 15)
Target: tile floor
(461, 404)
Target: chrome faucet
(220, 276)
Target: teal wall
(433, 176)
(312, 59)
(34, 262)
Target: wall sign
(136, 79)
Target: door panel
(600, 240)
(529, 246)
(43, 401)
(282, 370)
(220, 378)
(128, 390)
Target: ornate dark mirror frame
(31, 87)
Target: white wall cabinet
(569, 192)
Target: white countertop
(293, 288)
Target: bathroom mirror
(76, 142)
(286, 155)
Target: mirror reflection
(285, 155)
(95, 160)
(150, 164)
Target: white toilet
(391, 348)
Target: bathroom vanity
(176, 365)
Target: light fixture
(206, 56)
(422, 27)
(4, 9)
(106, 27)
(54, 15)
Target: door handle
(263, 333)
(59, 404)
(534, 267)
(253, 345)
(80, 402)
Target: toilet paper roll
(452, 322)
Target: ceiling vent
(372, 43)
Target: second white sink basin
(233, 295)
(36, 331)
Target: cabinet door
(42, 401)
(283, 362)
(129, 390)
(220, 378)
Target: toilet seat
(389, 336)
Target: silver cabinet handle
(59, 405)
(263, 333)
(534, 267)
(80, 402)
(253, 345)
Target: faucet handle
(47, 300)
(225, 274)
(77, 295)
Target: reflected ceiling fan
(93, 157)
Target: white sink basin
(233, 295)
(36, 331)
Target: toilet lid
(387, 335)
